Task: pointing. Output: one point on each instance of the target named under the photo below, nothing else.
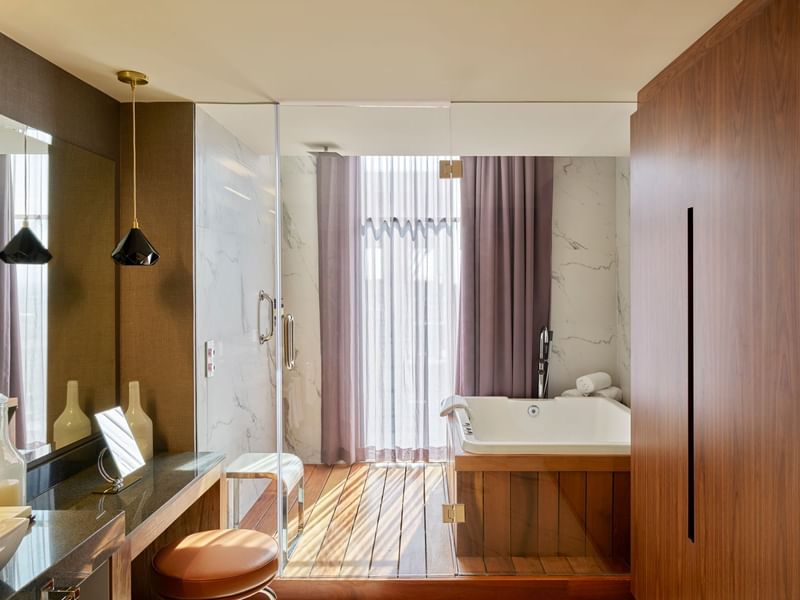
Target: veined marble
(300, 280)
(624, 276)
(586, 257)
(234, 259)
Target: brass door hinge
(453, 513)
(451, 169)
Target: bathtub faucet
(545, 337)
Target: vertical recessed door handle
(265, 336)
(690, 449)
(289, 352)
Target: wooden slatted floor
(366, 520)
(384, 521)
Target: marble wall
(234, 259)
(588, 314)
(624, 276)
(302, 396)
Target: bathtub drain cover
(533, 410)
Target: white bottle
(12, 465)
(141, 425)
(72, 424)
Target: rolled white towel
(613, 393)
(573, 393)
(589, 384)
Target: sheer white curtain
(408, 305)
(32, 293)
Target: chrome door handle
(289, 352)
(263, 296)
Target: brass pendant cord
(25, 171)
(133, 135)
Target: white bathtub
(563, 425)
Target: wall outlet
(211, 358)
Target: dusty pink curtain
(506, 233)
(10, 345)
(337, 185)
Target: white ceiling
(555, 129)
(255, 50)
(580, 61)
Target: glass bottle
(12, 465)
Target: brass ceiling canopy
(132, 78)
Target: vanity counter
(164, 477)
(65, 545)
(76, 529)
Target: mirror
(120, 441)
(58, 347)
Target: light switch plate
(211, 358)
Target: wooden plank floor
(366, 520)
(384, 521)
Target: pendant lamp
(134, 249)
(25, 248)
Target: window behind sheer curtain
(32, 293)
(409, 297)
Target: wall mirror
(58, 345)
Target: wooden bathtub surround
(554, 514)
(718, 131)
(570, 522)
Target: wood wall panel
(156, 303)
(719, 132)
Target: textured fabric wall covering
(506, 222)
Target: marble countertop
(75, 530)
(163, 478)
(65, 544)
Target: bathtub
(563, 425)
(546, 480)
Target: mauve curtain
(337, 214)
(506, 246)
(10, 346)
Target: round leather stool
(223, 564)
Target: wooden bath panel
(516, 514)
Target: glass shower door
(375, 508)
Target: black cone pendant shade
(25, 249)
(134, 250)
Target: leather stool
(223, 564)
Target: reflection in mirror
(120, 441)
(57, 321)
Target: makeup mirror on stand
(123, 449)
